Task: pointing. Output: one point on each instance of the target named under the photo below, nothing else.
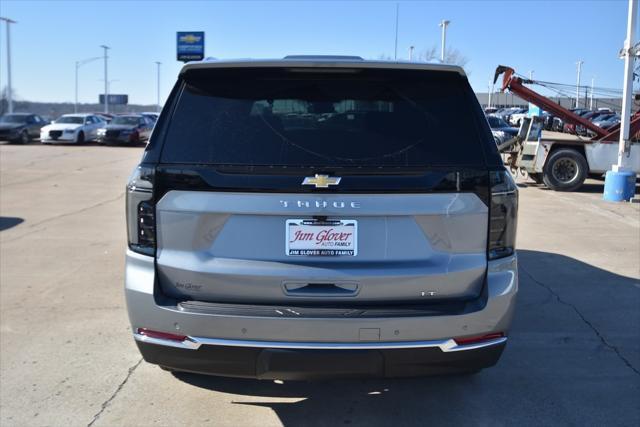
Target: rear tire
(565, 170)
(24, 137)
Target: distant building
(500, 100)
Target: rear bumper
(298, 364)
(296, 348)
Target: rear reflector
(161, 335)
(478, 339)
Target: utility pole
(490, 90)
(106, 81)
(443, 24)
(579, 63)
(8, 23)
(78, 65)
(591, 95)
(620, 181)
(627, 91)
(158, 78)
(411, 53)
(395, 52)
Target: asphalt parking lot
(67, 356)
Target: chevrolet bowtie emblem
(321, 181)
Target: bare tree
(4, 99)
(451, 56)
(384, 57)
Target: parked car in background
(505, 113)
(73, 128)
(515, 119)
(606, 122)
(589, 115)
(599, 117)
(106, 117)
(558, 123)
(501, 130)
(20, 127)
(129, 129)
(548, 120)
(490, 110)
(151, 115)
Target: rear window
(331, 118)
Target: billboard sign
(190, 45)
(115, 99)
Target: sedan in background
(151, 115)
(73, 128)
(501, 130)
(128, 129)
(20, 127)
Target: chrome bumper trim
(446, 345)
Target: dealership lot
(68, 357)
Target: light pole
(78, 65)
(579, 64)
(106, 81)
(411, 53)
(395, 51)
(531, 74)
(490, 91)
(620, 181)
(8, 22)
(627, 91)
(443, 24)
(158, 78)
(591, 95)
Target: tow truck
(561, 161)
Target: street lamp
(106, 81)
(579, 64)
(78, 65)
(443, 24)
(158, 63)
(8, 22)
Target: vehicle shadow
(587, 187)
(572, 358)
(7, 222)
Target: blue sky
(545, 36)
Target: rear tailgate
(231, 247)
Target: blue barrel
(619, 186)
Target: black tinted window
(373, 118)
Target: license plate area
(311, 237)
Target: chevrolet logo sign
(321, 181)
(190, 38)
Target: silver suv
(321, 216)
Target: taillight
(503, 219)
(141, 212)
(479, 339)
(161, 335)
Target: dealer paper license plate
(328, 238)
